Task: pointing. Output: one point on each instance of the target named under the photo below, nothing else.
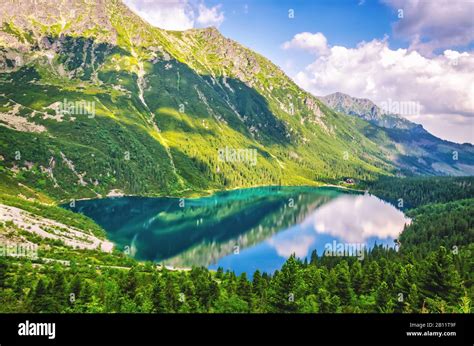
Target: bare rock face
(365, 109)
(55, 19)
(313, 106)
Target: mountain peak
(171, 100)
(366, 109)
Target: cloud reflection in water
(355, 218)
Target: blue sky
(345, 24)
(418, 52)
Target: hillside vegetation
(431, 272)
(93, 100)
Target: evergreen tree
(403, 286)
(314, 258)
(286, 287)
(441, 279)
(158, 297)
(357, 277)
(372, 277)
(41, 300)
(312, 278)
(3, 273)
(245, 288)
(75, 287)
(343, 287)
(219, 273)
(59, 291)
(172, 293)
(413, 301)
(383, 298)
(309, 304)
(326, 302)
(129, 285)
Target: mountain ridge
(165, 103)
(399, 129)
(365, 109)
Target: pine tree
(259, 289)
(219, 273)
(441, 279)
(383, 298)
(372, 276)
(75, 287)
(413, 300)
(59, 292)
(158, 297)
(3, 272)
(343, 287)
(357, 277)
(41, 300)
(257, 282)
(130, 283)
(309, 304)
(171, 292)
(403, 286)
(314, 258)
(245, 288)
(287, 287)
(313, 279)
(326, 302)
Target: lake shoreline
(205, 193)
(158, 230)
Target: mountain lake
(247, 229)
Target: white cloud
(313, 43)
(430, 25)
(177, 14)
(210, 16)
(442, 85)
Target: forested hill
(418, 191)
(93, 100)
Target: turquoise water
(248, 229)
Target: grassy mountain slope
(165, 103)
(159, 107)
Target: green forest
(166, 103)
(430, 271)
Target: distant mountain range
(93, 101)
(434, 156)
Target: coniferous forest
(99, 107)
(431, 270)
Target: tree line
(430, 271)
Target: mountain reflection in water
(243, 230)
